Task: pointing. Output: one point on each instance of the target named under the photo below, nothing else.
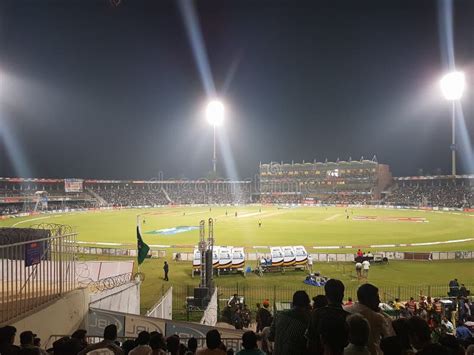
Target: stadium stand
(354, 182)
(440, 191)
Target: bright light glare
(452, 85)
(215, 112)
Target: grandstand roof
(96, 181)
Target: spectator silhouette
(249, 342)
(358, 335)
(288, 327)
(419, 333)
(368, 306)
(7, 338)
(333, 333)
(319, 301)
(213, 343)
(143, 347)
(334, 290)
(157, 343)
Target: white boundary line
(394, 245)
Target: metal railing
(282, 293)
(34, 272)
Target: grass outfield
(298, 226)
(294, 226)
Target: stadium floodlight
(215, 116)
(215, 112)
(452, 87)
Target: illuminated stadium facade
(356, 181)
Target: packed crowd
(355, 199)
(145, 197)
(326, 327)
(442, 196)
(195, 196)
(133, 197)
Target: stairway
(99, 199)
(166, 195)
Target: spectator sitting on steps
(110, 335)
(249, 342)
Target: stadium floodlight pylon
(452, 87)
(215, 116)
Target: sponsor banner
(186, 330)
(97, 320)
(136, 324)
(33, 253)
(129, 325)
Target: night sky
(90, 90)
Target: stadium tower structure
(358, 181)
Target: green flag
(141, 246)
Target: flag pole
(139, 228)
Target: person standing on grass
(166, 268)
(358, 270)
(366, 266)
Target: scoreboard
(73, 185)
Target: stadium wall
(124, 298)
(69, 312)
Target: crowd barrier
(129, 325)
(350, 257)
(35, 272)
(164, 307)
(211, 313)
(90, 250)
(282, 293)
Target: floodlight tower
(215, 117)
(452, 87)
